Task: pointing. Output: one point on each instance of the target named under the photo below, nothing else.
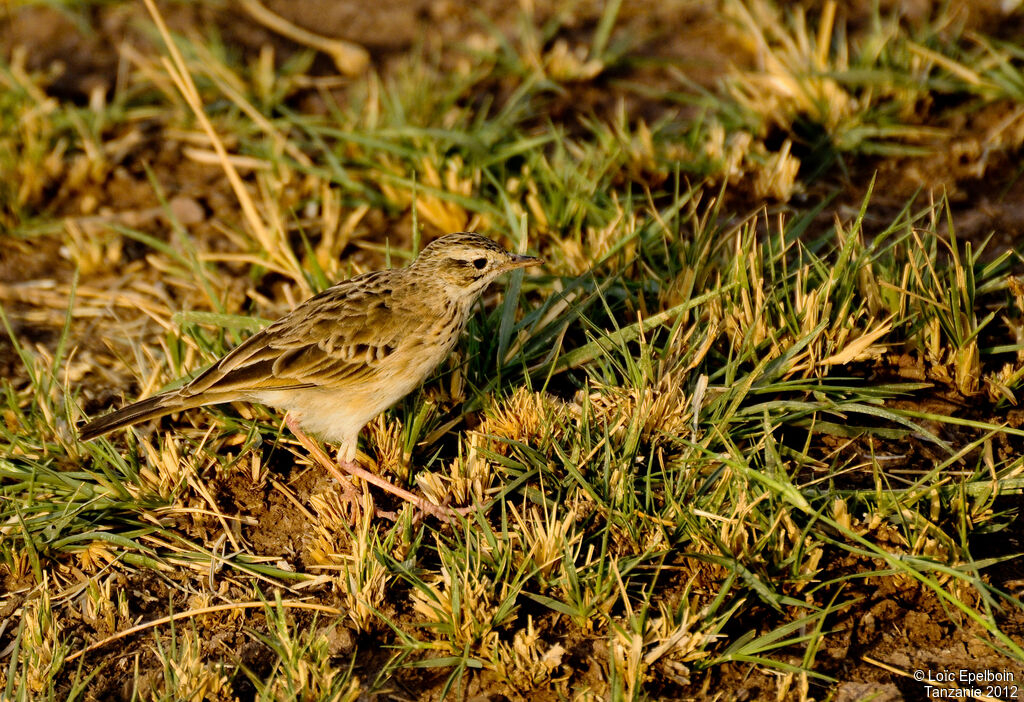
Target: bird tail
(141, 411)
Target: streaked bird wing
(342, 335)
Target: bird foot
(351, 500)
(442, 512)
(353, 469)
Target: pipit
(344, 356)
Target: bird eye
(480, 263)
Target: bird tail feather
(141, 411)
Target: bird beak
(519, 261)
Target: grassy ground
(751, 432)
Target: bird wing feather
(338, 336)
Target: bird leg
(356, 470)
(352, 496)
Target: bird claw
(351, 500)
(443, 512)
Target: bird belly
(334, 415)
(337, 414)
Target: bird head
(467, 262)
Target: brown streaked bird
(344, 356)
